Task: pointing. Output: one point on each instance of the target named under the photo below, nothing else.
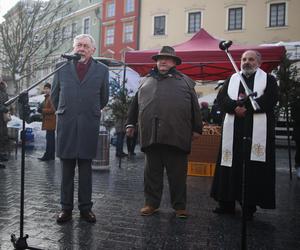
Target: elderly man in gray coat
(80, 90)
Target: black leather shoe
(250, 211)
(219, 210)
(64, 216)
(121, 155)
(88, 216)
(46, 159)
(249, 216)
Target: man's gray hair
(78, 37)
(258, 54)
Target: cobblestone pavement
(118, 196)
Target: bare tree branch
(24, 37)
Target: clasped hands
(240, 111)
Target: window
(194, 22)
(277, 15)
(129, 6)
(110, 35)
(55, 37)
(86, 26)
(128, 32)
(46, 40)
(235, 18)
(74, 30)
(64, 34)
(110, 9)
(159, 25)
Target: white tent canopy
(292, 48)
(132, 78)
(208, 98)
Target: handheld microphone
(224, 45)
(75, 56)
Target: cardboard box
(205, 149)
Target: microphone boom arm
(248, 91)
(13, 99)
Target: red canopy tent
(203, 60)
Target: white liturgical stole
(259, 133)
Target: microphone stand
(123, 89)
(246, 141)
(21, 242)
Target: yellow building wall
(214, 20)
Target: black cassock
(260, 180)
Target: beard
(248, 70)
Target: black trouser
(174, 160)
(230, 206)
(131, 142)
(84, 183)
(4, 142)
(120, 142)
(50, 144)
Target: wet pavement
(118, 197)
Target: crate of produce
(201, 169)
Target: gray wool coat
(78, 108)
(166, 110)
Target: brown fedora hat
(169, 52)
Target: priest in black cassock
(258, 151)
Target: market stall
(203, 60)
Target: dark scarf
(82, 69)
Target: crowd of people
(165, 123)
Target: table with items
(204, 153)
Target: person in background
(79, 92)
(3, 124)
(295, 114)
(216, 113)
(131, 143)
(120, 132)
(167, 112)
(248, 139)
(49, 124)
(205, 112)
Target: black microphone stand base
(21, 243)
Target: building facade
(80, 17)
(242, 21)
(120, 29)
(246, 22)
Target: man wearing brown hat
(167, 112)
